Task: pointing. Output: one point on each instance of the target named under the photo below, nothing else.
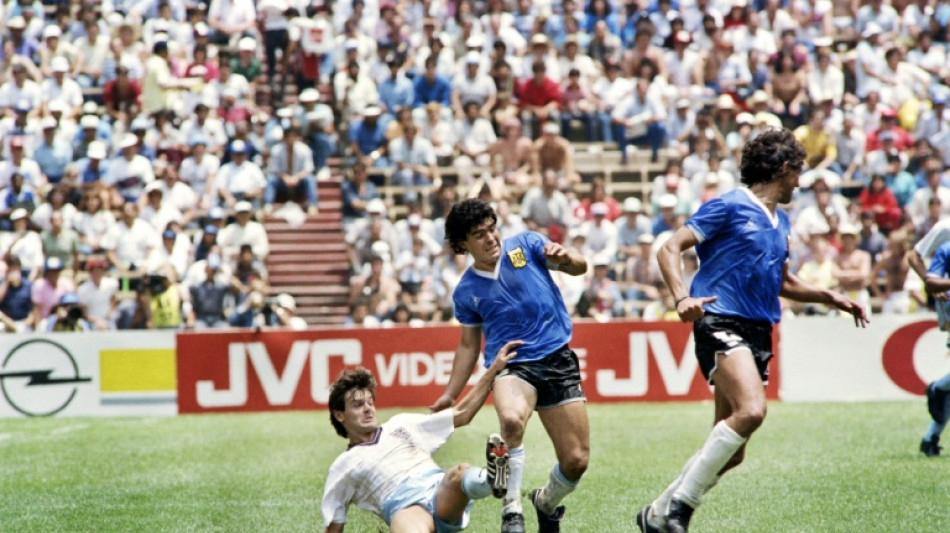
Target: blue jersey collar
(773, 217)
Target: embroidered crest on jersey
(517, 257)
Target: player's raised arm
(567, 260)
(466, 355)
(469, 405)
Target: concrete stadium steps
(310, 262)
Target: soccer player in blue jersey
(937, 284)
(938, 392)
(741, 239)
(506, 294)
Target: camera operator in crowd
(159, 302)
(67, 315)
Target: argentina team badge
(517, 257)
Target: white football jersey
(366, 474)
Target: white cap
(375, 206)
(96, 150)
(18, 213)
(475, 41)
(632, 205)
(243, 207)
(668, 200)
(140, 123)
(683, 102)
(154, 186)
(473, 58)
(56, 106)
(551, 128)
(285, 112)
(848, 229)
(48, 123)
(202, 29)
(414, 220)
(351, 44)
(645, 238)
(308, 95)
(52, 31)
(372, 111)
(711, 179)
(59, 64)
(873, 28)
(128, 140)
(16, 23)
(745, 118)
(247, 44)
(286, 301)
(601, 260)
(599, 209)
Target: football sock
(943, 383)
(475, 483)
(515, 471)
(557, 488)
(934, 430)
(662, 503)
(721, 445)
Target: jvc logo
(677, 378)
(279, 389)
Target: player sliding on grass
(742, 242)
(389, 470)
(508, 293)
(935, 243)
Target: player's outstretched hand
(556, 254)
(507, 353)
(443, 403)
(854, 309)
(691, 309)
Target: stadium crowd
(142, 140)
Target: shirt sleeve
(465, 312)
(709, 219)
(337, 494)
(938, 235)
(431, 431)
(938, 267)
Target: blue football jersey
(518, 301)
(742, 253)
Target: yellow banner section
(137, 370)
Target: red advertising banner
(292, 370)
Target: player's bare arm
(689, 309)
(466, 356)
(794, 288)
(335, 527)
(917, 264)
(567, 260)
(466, 409)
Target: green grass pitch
(811, 468)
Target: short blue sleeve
(535, 243)
(710, 218)
(939, 264)
(465, 311)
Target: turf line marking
(69, 429)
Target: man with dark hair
(733, 310)
(509, 293)
(388, 469)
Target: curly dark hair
(463, 218)
(769, 155)
(356, 379)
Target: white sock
(475, 483)
(557, 488)
(721, 445)
(515, 472)
(661, 505)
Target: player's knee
(456, 473)
(575, 463)
(512, 428)
(750, 418)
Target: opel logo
(39, 377)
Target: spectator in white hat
(20, 89)
(129, 172)
(19, 163)
(23, 243)
(244, 230)
(630, 227)
(354, 90)
(239, 179)
(470, 85)
(600, 232)
(52, 155)
(61, 87)
(54, 46)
